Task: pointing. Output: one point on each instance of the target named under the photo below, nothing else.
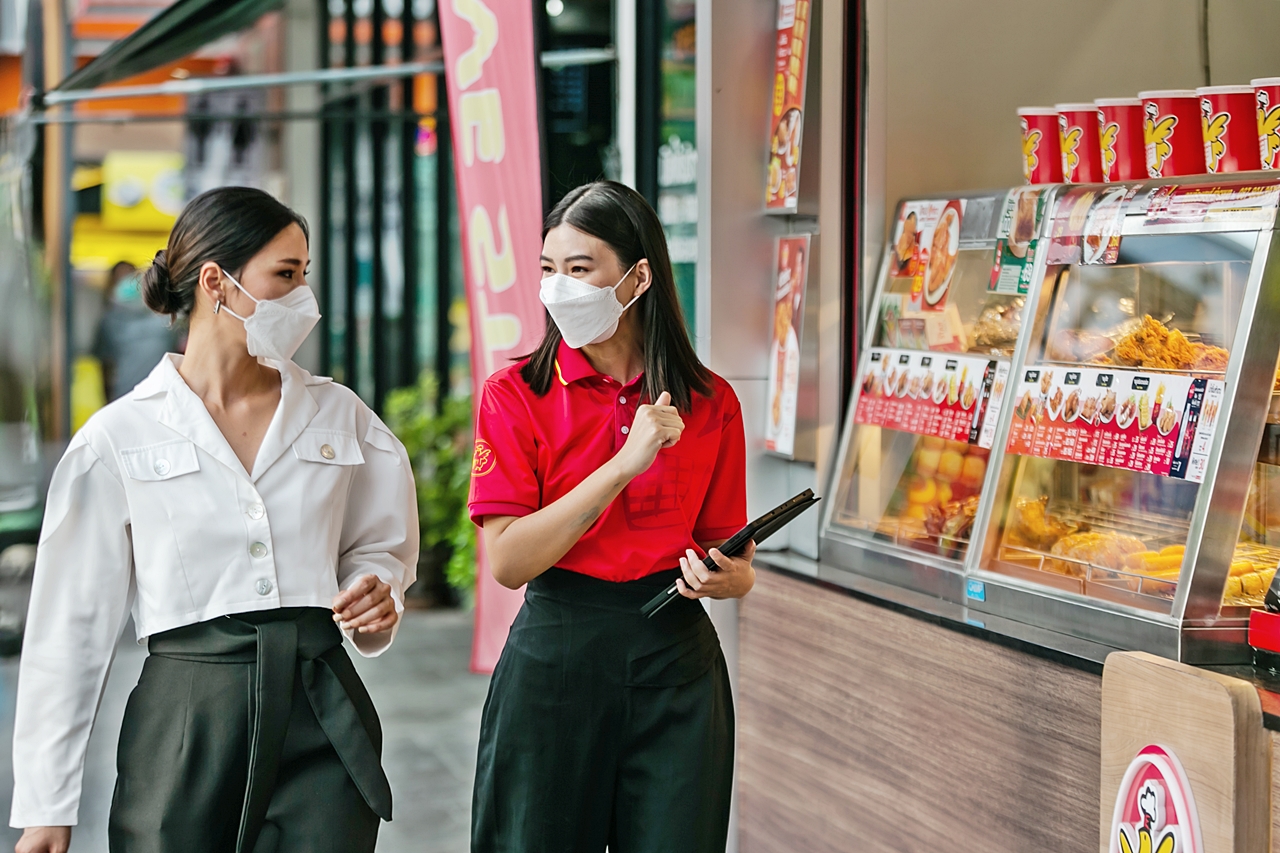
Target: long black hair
(620, 216)
(227, 225)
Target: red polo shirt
(531, 451)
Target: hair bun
(156, 292)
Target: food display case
(1136, 503)
(1104, 462)
(945, 326)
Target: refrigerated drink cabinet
(1114, 481)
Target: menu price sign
(1104, 225)
(1016, 240)
(1070, 215)
(1152, 423)
(1243, 203)
(782, 189)
(955, 397)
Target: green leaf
(437, 435)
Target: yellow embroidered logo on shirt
(483, 460)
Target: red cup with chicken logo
(1266, 93)
(1078, 138)
(1120, 139)
(1041, 151)
(1229, 125)
(1171, 130)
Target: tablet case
(759, 530)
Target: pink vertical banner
(489, 73)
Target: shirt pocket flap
(329, 447)
(160, 461)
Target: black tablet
(759, 530)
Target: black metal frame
(394, 351)
(854, 159)
(649, 17)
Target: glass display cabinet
(931, 386)
(1080, 431)
(1135, 503)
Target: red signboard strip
(490, 69)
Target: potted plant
(437, 434)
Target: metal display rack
(1105, 549)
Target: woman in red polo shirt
(608, 463)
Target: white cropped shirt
(151, 512)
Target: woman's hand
(654, 428)
(734, 580)
(44, 839)
(367, 607)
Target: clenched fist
(654, 428)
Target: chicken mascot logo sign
(1155, 812)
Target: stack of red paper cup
(1159, 134)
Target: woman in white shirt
(248, 515)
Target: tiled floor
(430, 707)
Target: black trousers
(249, 734)
(604, 728)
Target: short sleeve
(504, 470)
(724, 509)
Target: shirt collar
(185, 413)
(571, 365)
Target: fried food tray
(1053, 362)
(1085, 578)
(909, 533)
(1120, 585)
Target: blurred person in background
(131, 338)
(248, 515)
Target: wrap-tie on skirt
(226, 713)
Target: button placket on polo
(624, 412)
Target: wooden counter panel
(1275, 792)
(861, 728)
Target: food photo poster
(782, 186)
(791, 271)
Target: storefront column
(57, 217)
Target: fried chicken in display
(1154, 345)
(1210, 359)
(1105, 550)
(1033, 527)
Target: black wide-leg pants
(605, 728)
(249, 734)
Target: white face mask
(584, 313)
(277, 327)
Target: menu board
(1153, 423)
(926, 244)
(790, 61)
(956, 397)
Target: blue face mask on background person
(129, 290)
(584, 313)
(277, 327)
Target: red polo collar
(572, 365)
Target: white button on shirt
(150, 512)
